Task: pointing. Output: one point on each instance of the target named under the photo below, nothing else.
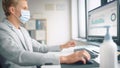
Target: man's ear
(12, 10)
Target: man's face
(22, 5)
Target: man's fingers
(83, 60)
(72, 42)
(85, 54)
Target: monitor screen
(106, 15)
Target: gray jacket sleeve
(10, 50)
(37, 47)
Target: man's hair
(8, 3)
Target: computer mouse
(81, 63)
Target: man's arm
(10, 50)
(37, 47)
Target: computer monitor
(103, 16)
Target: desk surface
(59, 66)
(77, 65)
(67, 52)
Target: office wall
(57, 14)
(58, 18)
(93, 4)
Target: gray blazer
(16, 54)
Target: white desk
(67, 52)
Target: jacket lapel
(22, 42)
(11, 31)
(27, 39)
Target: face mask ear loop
(15, 15)
(17, 18)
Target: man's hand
(81, 56)
(68, 44)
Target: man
(18, 50)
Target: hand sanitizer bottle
(108, 52)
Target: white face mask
(25, 16)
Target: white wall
(74, 26)
(58, 18)
(93, 4)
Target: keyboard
(92, 50)
(92, 54)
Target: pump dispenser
(108, 51)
